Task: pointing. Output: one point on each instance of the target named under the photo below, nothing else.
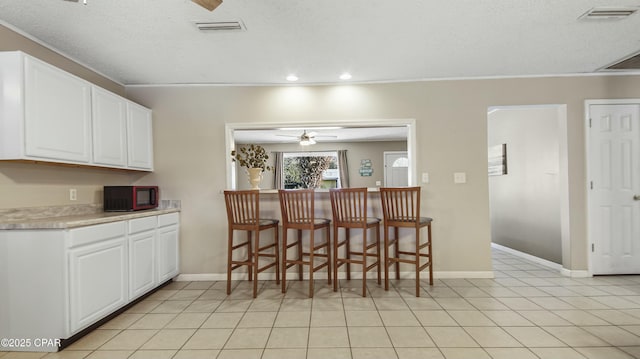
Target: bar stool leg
(397, 249)
(418, 262)
(254, 264)
(378, 252)
(284, 259)
(327, 236)
(386, 257)
(311, 251)
(430, 255)
(277, 253)
(364, 262)
(336, 240)
(249, 254)
(347, 237)
(300, 254)
(229, 259)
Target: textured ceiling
(156, 41)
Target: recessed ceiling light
(345, 76)
(292, 78)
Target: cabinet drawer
(96, 233)
(168, 219)
(142, 224)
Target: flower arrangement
(253, 156)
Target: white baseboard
(341, 275)
(565, 272)
(527, 256)
(575, 273)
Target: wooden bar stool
(243, 214)
(401, 209)
(349, 207)
(298, 212)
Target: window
(310, 170)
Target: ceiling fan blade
(208, 4)
(327, 136)
(311, 134)
(296, 136)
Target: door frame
(589, 159)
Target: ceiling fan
(308, 138)
(208, 4)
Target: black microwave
(130, 198)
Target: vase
(255, 176)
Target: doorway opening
(529, 204)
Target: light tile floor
(527, 311)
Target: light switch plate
(460, 177)
(425, 177)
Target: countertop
(79, 219)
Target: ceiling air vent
(608, 13)
(221, 26)
(630, 63)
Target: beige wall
(451, 125)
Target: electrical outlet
(460, 177)
(73, 194)
(378, 183)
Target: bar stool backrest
(401, 206)
(243, 209)
(349, 206)
(297, 206)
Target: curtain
(343, 168)
(277, 170)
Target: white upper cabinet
(47, 114)
(140, 137)
(109, 128)
(57, 113)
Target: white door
(396, 169)
(614, 188)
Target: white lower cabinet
(63, 281)
(168, 251)
(142, 256)
(98, 281)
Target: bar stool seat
(401, 209)
(243, 214)
(349, 208)
(298, 212)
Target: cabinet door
(142, 267)
(98, 281)
(168, 262)
(140, 137)
(57, 114)
(109, 128)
